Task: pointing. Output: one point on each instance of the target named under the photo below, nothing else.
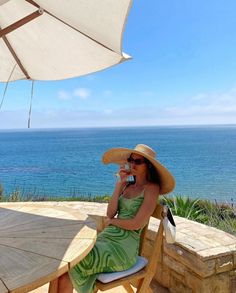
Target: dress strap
(124, 188)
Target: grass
(219, 215)
(22, 195)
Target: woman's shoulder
(152, 188)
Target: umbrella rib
(15, 57)
(36, 5)
(20, 22)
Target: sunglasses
(136, 161)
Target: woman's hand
(124, 172)
(107, 222)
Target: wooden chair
(142, 279)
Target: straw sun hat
(120, 156)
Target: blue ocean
(67, 162)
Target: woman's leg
(64, 284)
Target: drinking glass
(129, 178)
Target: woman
(128, 211)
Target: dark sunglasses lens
(139, 161)
(135, 161)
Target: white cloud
(63, 95)
(201, 109)
(82, 93)
(215, 98)
(212, 104)
(139, 116)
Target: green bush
(221, 216)
(184, 206)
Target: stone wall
(203, 259)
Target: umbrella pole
(31, 98)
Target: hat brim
(120, 156)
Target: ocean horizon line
(117, 127)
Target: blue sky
(183, 72)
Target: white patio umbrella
(59, 39)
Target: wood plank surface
(71, 251)
(24, 270)
(3, 288)
(69, 231)
(38, 243)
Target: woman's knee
(64, 284)
(63, 278)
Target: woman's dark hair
(153, 175)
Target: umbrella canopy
(59, 39)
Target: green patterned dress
(115, 249)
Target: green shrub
(184, 206)
(221, 216)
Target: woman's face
(137, 164)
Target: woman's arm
(141, 218)
(113, 203)
(119, 188)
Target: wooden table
(39, 242)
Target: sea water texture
(67, 162)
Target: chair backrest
(155, 255)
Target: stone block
(233, 285)
(191, 261)
(217, 283)
(215, 252)
(178, 285)
(224, 264)
(194, 282)
(232, 273)
(221, 283)
(174, 265)
(191, 243)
